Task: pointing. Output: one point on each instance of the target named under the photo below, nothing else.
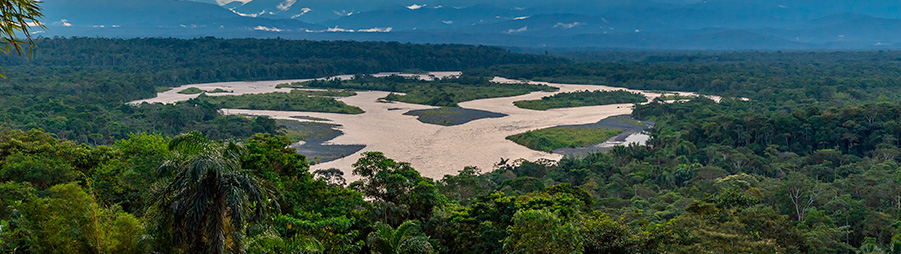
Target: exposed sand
(433, 150)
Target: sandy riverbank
(434, 150)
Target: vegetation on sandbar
(559, 137)
(581, 99)
(219, 90)
(281, 101)
(449, 116)
(191, 90)
(442, 92)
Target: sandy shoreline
(433, 150)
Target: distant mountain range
(620, 24)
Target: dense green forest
(441, 92)
(810, 164)
(581, 99)
(821, 79)
(77, 87)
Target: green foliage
(128, 179)
(37, 157)
(443, 92)
(191, 90)
(406, 238)
(207, 196)
(809, 165)
(68, 220)
(465, 186)
(219, 90)
(40, 171)
(294, 101)
(549, 139)
(311, 234)
(581, 99)
(399, 193)
(539, 231)
(20, 17)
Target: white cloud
(521, 18)
(303, 11)
(415, 6)
(224, 2)
(252, 15)
(569, 25)
(343, 13)
(520, 30)
(267, 29)
(447, 22)
(286, 5)
(336, 29)
(63, 22)
(376, 30)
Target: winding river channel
(433, 150)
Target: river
(433, 150)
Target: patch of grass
(415, 71)
(290, 85)
(311, 118)
(219, 90)
(559, 137)
(627, 120)
(161, 89)
(308, 131)
(191, 90)
(443, 92)
(581, 99)
(449, 116)
(280, 101)
(674, 97)
(327, 92)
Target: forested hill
(77, 87)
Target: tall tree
(398, 191)
(207, 197)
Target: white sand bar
(435, 150)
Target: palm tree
(205, 197)
(19, 16)
(407, 238)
